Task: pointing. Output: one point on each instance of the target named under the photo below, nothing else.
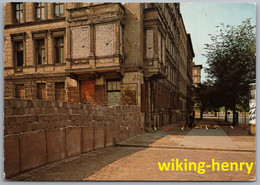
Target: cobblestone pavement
(226, 138)
(141, 164)
(137, 158)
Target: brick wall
(37, 132)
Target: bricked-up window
(104, 39)
(113, 92)
(149, 43)
(59, 9)
(60, 91)
(80, 42)
(18, 53)
(40, 51)
(40, 11)
(59, 49)
(87, 91)
(18, 12)
(41, 91)
(19, 91)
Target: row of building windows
(41, 91)
(40, 50)
(87, 91)
(40, 11)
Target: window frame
(37, 49)
(59, 10)
(113, 91)
(42, 7)
(114, 80)
(21, 11)
(58, 47)
(15, 43)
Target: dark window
(59, 9)
(113, 92)
(18, 53)
(18, 12)
(40, 11)
(40, 51)
(60, 91)
(59, 50)
(41, 90)
(19, 91)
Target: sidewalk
(226, 138)
(137, 159)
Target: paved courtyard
(137, 158)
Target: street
(137, 158)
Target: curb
(177, 147)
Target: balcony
(96, 38)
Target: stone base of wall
(38, 132)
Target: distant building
(196, 78)
(196, 74)
(101, 53)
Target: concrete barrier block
(73, 141)
(109, 137)
(87, 139)
(99, 137)
(56, 145)
(32, 150)
(11, 155)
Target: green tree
(231, 57)
(202, 97)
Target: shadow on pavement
(78, 169)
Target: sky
(201, 19)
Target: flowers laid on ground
(205, 126)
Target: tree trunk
(245, 118)
(234, 122)
(201, 115)
(226, 114)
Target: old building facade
(196, 74)
(101, 53)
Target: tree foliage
(204, 97)
(231, 57)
